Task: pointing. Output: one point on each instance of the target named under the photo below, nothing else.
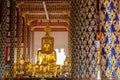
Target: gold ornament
(89, 15)
(90, 55)
(87, 48)
(116, 26)
(93, 75)
(93, 22)
(93, 48)
(87, 62)
(113, 61)
(103, 61)
(108, 73)
(111, 15)
(107, 26)
(102, 39)
(92, 8)
(89, 3)
(112, 37)
(87, 75)
(103, 68)
(118, 72)
(102, 18)
(107, 48)
(106, 4)
(90, 68)
(116, 4)
(90, 29)
(90, 42)
(93, 62)
(117, 49)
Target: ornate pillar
(75, 37)
(12, 35)
(25, 40)
(33, 47)
(82, 56)
(29, 41)
(110, 39)
(3, 29)
(19, 36)
(90, 38)
(69, 49)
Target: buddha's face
(46, 47)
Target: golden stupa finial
(47, 30)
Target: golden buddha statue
(46, 57)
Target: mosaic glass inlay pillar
(12, 36)
(3, 29)
(82, 55)
(75, 36)
(73, 53)
(110, 39)
(89, 40)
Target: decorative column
(75, 35)
(12, 36)
(25, 40)
(3, 29)
(19, 37)
(82, 56)
(110, 39)
(33, 47)
(69, 49)
(29, 41)
(90, 38)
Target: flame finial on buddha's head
(47, 30)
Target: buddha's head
(47, 41)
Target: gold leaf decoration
(118, 71)
(113, 61)
(107, 48)
(113, 37)
(107, 26)
(108, 73)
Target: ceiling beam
(31, 18)
(52, 29)
(53, 7)
(36, 1)
(35, 17)
(50, 24)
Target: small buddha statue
(46, 57)
(28, 69)
(19, 68)
(66, 68)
